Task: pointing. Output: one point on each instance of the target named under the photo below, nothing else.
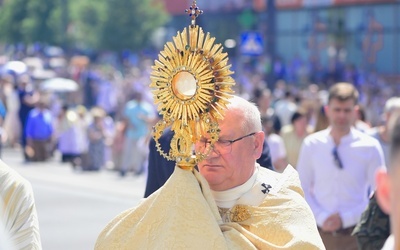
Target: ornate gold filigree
(240, 213)
(191, 85)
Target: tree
(87, 19)
(43, 22)
(129, 23)
(91, 24)
(12, 15)
(30, 21)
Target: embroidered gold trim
(240, 213)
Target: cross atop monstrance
(194, 11)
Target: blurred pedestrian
(374, 227)
(71, 140)
(96, 134)
(337, 169)
(12, 125)
(275, 144)
(118, 144)
(322, 121)
(381, 133)
(388, 188)
(27, 100)
(159, 168)
(285, 108)
(294, 134)
(361, 122)
(63, 127)
(39, 133)
(109, 133)
(81, 133)
(3, 135)
(139, 115)
(262, 98)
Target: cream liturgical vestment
(17, 210)
(183, 215)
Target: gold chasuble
(183, 215)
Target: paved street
(74, 206)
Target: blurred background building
(326, 33)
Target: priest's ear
(383, 186)
(258, 144)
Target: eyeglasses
(221, 146)
(336, 158)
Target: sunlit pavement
(74, 206)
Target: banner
(177, 7)
(293, 4)
(289, 4)
(347, 2)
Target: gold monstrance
(191, 82)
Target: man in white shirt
(388, 188)
(337, 169)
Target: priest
(229, 203)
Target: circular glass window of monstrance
(184, 85)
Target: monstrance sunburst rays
(191, 83)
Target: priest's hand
(333, 223)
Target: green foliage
(87, 18)
(96, 24)
(12, 15)
(129, 23)
(30, 21)
(37, 26)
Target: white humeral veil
(183, 215)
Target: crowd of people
(109, 95)
(92, 126)
(319, 141)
